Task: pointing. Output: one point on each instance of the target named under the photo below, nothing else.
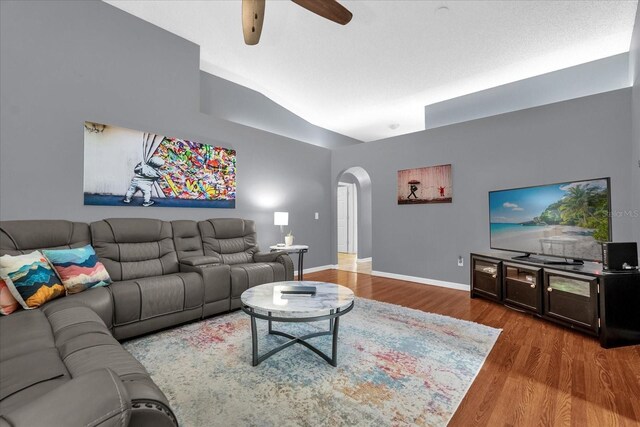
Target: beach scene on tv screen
(568, 220)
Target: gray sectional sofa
(61, 364)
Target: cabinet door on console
(521, 287)
(571, 298)
(619, 297)
(486, 278)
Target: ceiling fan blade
(252, 18)
(330, 9)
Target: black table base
(334, 320)
(301, 263)
(300, 253)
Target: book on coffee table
(298, 290)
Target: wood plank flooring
(538, 373)
(348, 262)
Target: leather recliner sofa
(149, 292)
(62, 365)
(233, 242)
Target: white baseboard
(422, 280)
(315, 269)
(363, 259)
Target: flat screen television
(569, 220)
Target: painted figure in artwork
(145, 175)
(413, 186)
(441, 189)
(413, 189)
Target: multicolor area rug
(396, 366)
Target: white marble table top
(292, 248)
(267, 297)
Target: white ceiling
(394, 57)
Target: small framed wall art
(430, 184)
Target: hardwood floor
(537, 374)
(348, 262)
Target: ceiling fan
(253, 15)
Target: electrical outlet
(460, 261)
(317, 216)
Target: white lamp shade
(281, 218)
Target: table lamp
(281, 219)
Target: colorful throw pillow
(30, 279)
(8, 303)
(79, 268)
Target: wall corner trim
(422, 280)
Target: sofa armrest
(97, 398)
(277, 256)
(200, 260)
(267, 256)
(216, 279)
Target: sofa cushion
(87, 353)
(231, 240)
(31, 365)
(132, 248)
(78, 268)
(30, 279)
(98, 299)
(20, 399)
(149, 297)
(96, 399)
(19, 237)
(26, 370)
(24, 332)
(187, 240)
(245, 276)
(85, 345)
(73, 319)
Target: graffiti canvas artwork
(425, 185)
(124, 167)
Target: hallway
(347, 262)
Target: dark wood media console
(582, 297)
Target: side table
(299, 249)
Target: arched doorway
(353, 221)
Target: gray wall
(634, 64)
(599, 76)
(227, 100)
(62, 63)
(584, 138)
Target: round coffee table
(268, 302)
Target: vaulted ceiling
(372, 78)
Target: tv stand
(528, 258)
(581, 297)
(565, 262)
